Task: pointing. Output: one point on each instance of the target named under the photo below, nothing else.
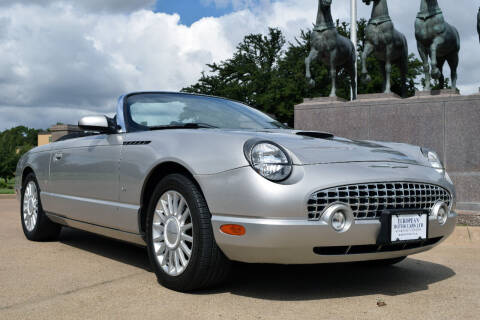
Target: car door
(83, 182)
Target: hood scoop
(315, 134)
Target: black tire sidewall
(184, 186)
(31, 235)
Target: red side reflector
(233, 229)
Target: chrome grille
(368, 201)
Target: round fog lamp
(338, 221)
(440, 211)
(442, 216)
(339, 216)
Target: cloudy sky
(61, 59)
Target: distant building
(56, 132)
(44, 138)
(61, 130)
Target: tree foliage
(269, 74)
(13, 144)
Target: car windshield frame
(263, 121)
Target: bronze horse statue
(478, 23)
(438, 41)
(331, 48)
(389, 45)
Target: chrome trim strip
(101, 230)
(266, 221)
(100, 202)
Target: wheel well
(157, 174)
(25, 173)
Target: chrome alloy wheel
(172, 233)
(30, 206)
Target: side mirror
(96, 123)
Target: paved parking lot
(84, 276)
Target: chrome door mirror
(96, 123)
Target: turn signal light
(233, 229)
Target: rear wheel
(36, 225)
(181, 245)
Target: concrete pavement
(84, 276)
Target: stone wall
(442, 121)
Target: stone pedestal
(442, 92)
(323, 100)
(378, 96)
(445, 122)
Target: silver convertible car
(203, 181)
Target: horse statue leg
(367, 51)
(333, 73)
(436, 72)
(388, 68)
(441, 79)
(403, 65)
(311, 57)
(422, 51)
(453, 63)
(351, 73)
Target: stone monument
(333, 49)
(441, 120)
(389, 45)
(438, 41)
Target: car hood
(316, 148)
(209, 151)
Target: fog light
(338, 221)
(339, 216)
(442, 216)
(440, 211)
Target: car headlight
(269, 160)
(433, 158)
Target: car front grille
(369, 200)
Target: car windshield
(170, 110)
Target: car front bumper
(275, 214)
(303, 242)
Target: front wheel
(35, 223)
(181, 245)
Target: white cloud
(89, 5)
(58, 63)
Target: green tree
(249, 75)
(269, 75)
(13, 144)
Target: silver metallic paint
(292, 241)
(97, 184)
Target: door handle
(58, 156)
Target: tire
(170, 231)
(35, 223)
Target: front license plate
(407, 227)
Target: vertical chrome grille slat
(369, 200)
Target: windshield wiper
(183, 126)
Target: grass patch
(7, 187)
